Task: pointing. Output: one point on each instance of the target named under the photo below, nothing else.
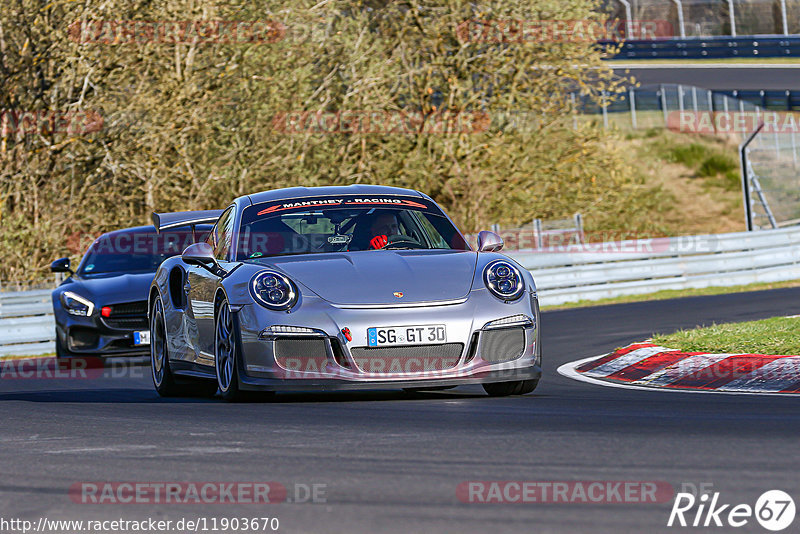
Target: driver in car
(383, 228)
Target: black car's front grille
(407, 358)
(129, 315)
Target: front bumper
(93, 336)
(474, 352)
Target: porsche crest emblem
(398, 294)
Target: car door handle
(187, 287)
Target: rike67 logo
(774, 510)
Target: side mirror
(199, 254)
(202, 254)
(61, 266)
(489, 242)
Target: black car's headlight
(76, 304)
(273, 290)
(504, 280)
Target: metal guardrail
(709, 47)
(27, 325)
(600, 270)
(565, 273)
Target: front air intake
(301, 354)
(502, 345)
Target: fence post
(731, 10)
(628, 17)
(794, 150)
(783, 18)
(745, 168)
(537, 227)
(680, 18)
(680, 97)
(605, 109)
(711, 109)
(663, 103)
(694, 99)
(579, 226)
(574, 111)
(632, 99)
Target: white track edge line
(568, 370)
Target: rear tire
(517, 387)
(164, 381)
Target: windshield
(132, 252)
(344, 223)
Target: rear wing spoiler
(178, 219)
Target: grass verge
(674, 294)
(27, 357)
(777, 335)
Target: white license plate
(429, 334)
(141, 338)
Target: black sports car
(101, 309)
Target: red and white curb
(648, 366)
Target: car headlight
(76, 304)
(273, 290)
(504, 280)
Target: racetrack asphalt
(723, 77)
(391, 461)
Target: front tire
(60, 352)
(164, 381)
(226, 355)
(517, 387)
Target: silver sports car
(356, 287)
